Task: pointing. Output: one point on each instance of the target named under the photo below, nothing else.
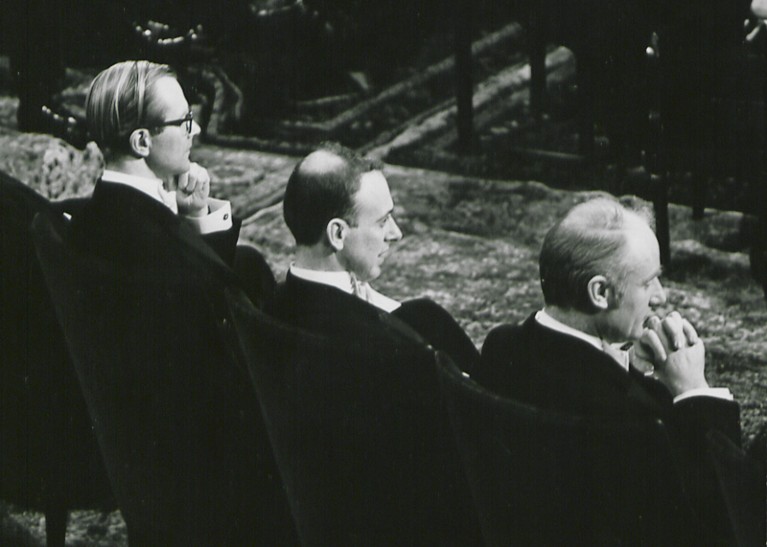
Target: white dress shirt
(621, 356)
(343, 281)
(219, 217)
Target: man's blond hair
(121, 100)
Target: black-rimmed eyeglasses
(187, 120)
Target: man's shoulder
(297, 300)
(532, 337)
(300, 293)
(507, 332)
(544, 367)
(116, 205)
(121, 224)
(327, 310)
(508, 337)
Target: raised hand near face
(675, 351)
(192, 190)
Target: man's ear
(336, 231)
(140, 142)
(599, 292)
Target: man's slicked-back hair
(322, 187)
(121, 100)
(588, 241)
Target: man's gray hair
(587, 242)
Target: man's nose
(394, 233)
(659, 295)
(196, 129)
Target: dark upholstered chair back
(49, 457)
(361, 438)
(175, 414)
(542, 478)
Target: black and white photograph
(417, 273)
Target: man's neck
(317, 258)
(595, 324)
(574, 319)
(131, 166)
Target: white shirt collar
(343, 281)
(150, 186)
(544, 319)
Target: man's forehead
(640, 252)
(170, 97)
(374, 183)
(376, 178)
(374, 193)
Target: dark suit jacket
(323, 309)
(551, 370)
(134, 223)
(197, 469)
(122, 224)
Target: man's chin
(371, 275)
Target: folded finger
(652, 342)
(674, 331)
(652, 322)
(194, 184)
(690, 333)
(655, 324)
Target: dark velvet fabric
(541, 477)
(141, 300)
(255, 275)
(556, 372)
(358, 425)
(440, 329)
(49, 458)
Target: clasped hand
(672, 346)
(192, 190)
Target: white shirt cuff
(718, 392)
(218, 219)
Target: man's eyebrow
(656, 273)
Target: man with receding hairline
(599, 273)
(339, 209)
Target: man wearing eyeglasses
(171, 248)
(139, 117)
